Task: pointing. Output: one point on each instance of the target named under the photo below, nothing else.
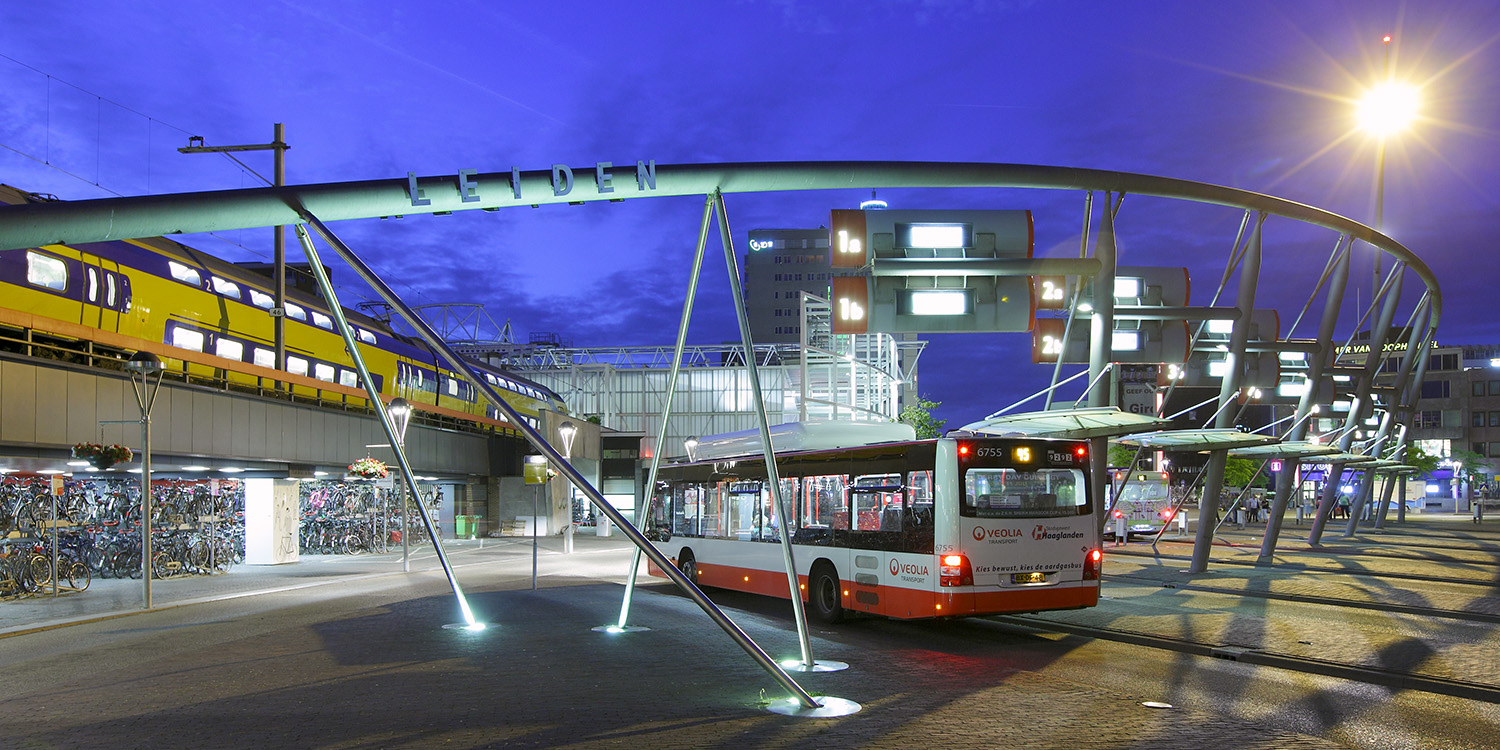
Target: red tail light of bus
(954, 570)
(1092, 561)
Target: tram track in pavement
(1260, 657)
(1304, 567)
(1407, 609)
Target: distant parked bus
(907, 529)
(1145, 501)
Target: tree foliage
(919, 416)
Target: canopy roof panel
(1196, 440)
(1288, 449)
(1089, 422)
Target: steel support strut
(397, 444)
(1213, 480)
(767, 450)
(431, 337)
(1337, 277)
(666, 412)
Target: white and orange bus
(909, 529)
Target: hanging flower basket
(368, 468)
(102, 456)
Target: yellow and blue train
(207, 317)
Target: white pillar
(271, 518)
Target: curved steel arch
(36, 224)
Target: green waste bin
(464, 526)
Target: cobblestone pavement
(353, 660)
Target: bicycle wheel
(198, 554)
(39, 571)
(78, 574)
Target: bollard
(568, 539)
(1119, 528)
(1478, 511)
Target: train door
(106, 293)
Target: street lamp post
(1386, 109)
(400, 412)
(567, 431)
(144, 365)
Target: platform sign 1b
(851, 304)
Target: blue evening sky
(1254, 94)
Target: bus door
(878, 515)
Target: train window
(93, 275)
(187, 338)
(452, 391)
(347, 377)
(265, 357)
(229, 349)
(322, 321)
(225, 287)
(184, 274)
(261, 299)
(295, 311)
(323, 372)
(296, 365)
(365, 336)
(46, 271)
(109, 290)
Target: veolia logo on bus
(996, 535)
(898, 567)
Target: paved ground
(345, 653)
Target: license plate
(1028, 577)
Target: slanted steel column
(774, 478)
(1213, 481)
(397, 443)
(457, 364)
(1360, 404)
(1367, 484)
(1101, 341)
(1288, 482)
(666, 411)
(1407, 404)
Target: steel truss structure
(1391, 405)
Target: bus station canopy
(1077, 424)
(1354, 460)
(1285, 450)
(1208, 439)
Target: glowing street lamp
(144, 365)
(567, 431)
(400, 411)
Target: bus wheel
(688, 566)
(823, 595)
